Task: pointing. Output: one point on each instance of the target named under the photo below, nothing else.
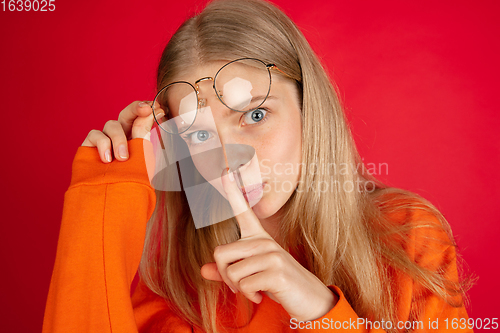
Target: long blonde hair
(344, 237)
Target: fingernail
(122, 151)
(141, 104)
(159, 115)
(227, 171)
(107, 155)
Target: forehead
(239, 84)
(194, 72)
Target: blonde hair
(345, 238)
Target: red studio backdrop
(418, 81)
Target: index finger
(134, 110)
(247, 220)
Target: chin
(265, 208)
(260, 210)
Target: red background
(418, 79)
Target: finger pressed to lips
(254, 239)
(233, 193)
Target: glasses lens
(178, 98)
(243, 85)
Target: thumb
(141, 127)
(210, 272)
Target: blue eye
(198, 137)
(255, 116)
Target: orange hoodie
(106, 209)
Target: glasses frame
(218, 93)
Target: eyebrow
(183, 128)
(230, 112)
(256, 98)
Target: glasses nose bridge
(206, 78)
(202, 101)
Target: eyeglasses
(242, 85)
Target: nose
(237, 148)
(238, 155)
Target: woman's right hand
(135, 121)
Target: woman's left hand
(256, 262)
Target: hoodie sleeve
(101, 239)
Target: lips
(250, 188)
(253, 193)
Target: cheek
(209, 169)
(281, 150)
(280, 156)
(208, 161)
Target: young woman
(324, 246)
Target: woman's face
(270, 171)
